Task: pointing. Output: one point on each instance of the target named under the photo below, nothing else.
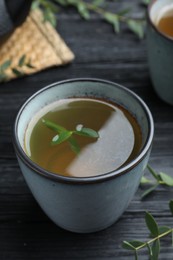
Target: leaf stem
(153, 172)
(101, 11)
(154, 239)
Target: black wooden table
(25, 231)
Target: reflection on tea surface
(119, 137)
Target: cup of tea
(160, 47)
(82, 146)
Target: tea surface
(165, 24)
(119, 137)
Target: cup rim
(153, 25)
(90, 179)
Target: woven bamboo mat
(39, 42)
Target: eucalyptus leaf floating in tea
(83, 137)
(65, 135)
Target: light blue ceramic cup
(160, 51)
(86, 204)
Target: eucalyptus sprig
(85, 8)
(49, 10)
(156, 233)
(160, 178)
(62, 134)
(17, 70)
(98, 6)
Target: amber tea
(165, 23)
(119, 137)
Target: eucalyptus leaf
(85, 7)
(151, 224)
(17, 72)
(73, 2)
(22, 60)
(137, 243)
(88, 132)
(136, 27)
(127, 245)
(50, 17)
(74, 145)
(35, 4)
(124, 11)
(149, 250)
(29, 65)
(83, 11)
(145, 180)
(146, 2)
(5, 65)
(62, 137)
(112, 19)
(65, 135)
(153, 244)
(48, 5)
(62, 2)
(163, 229)
(153, 173)
(53, 126)
(155, 249)
(168, 180)
(98, 2)
(171, 206)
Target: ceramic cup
(160, 51)
(85, 204)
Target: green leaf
(146, 2)
(74, 145)
(153, 173)
(98, 2)
(136, 243)
(145, 180)
(49, 16)
(5, 65)
(136, 27)
(155, 249)
(171, 206)
(163, 229)
(112, 19)
(29, 65)
(151, 224)
(63, 136)
(62, 2)
(48, 5)
(83, 11)
(88, 132)
(168, 180)
(149, 191)
(149, 250)
(53, 126)
(17, 72)
(127, 245)
(124, 11)
(35, 4)
(22, 60)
